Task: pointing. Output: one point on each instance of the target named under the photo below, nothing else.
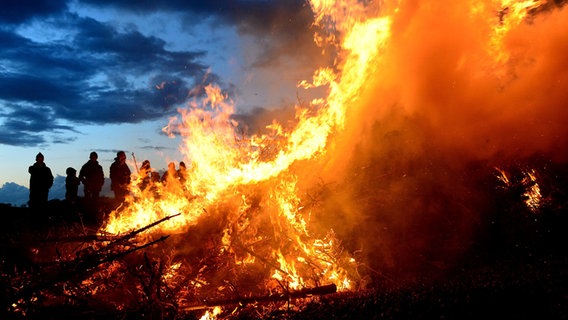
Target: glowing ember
(527, 184)
(532, 195)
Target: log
(299, 294)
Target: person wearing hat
(41, 180)
(119, 176)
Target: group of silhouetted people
(149, 179)
(92, 177)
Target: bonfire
(372, 182)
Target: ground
(513, 270)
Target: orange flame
(256, 182)
(224, 166)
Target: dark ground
(516, 269)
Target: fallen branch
(113, 238)
(85, 238)
(322, 290)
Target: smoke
(411, 171)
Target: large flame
(228, 167)
(419, 90)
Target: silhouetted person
(92, 177)
(155, 177)
(155, 183)
(182, 173)
(72, 183)
(170, 175)
(119, 176)
(41, 179)
(145, 174)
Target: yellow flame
(252, 183)
(226, 166)
(211, 314)
(509, 14)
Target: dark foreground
(518, 274)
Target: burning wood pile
(96, 275)
(69, 269)
(420, 147)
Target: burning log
(299, 294)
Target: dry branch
(262, 259)
(113, 238)
(81, 267)
(321, 290)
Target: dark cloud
(18, 139)
(156, 148)
(96, 73)
(282, 26)
(87, 79)
(261, 14)
(25, 126)
(17, 87)
(18, 11)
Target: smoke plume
(453, 96)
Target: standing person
(92, 177)
(41, 180)
(119, 176)
(72, 183)
(170, 174)
(182, 173)
(145, 175)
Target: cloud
(283, 27)
(60, 69)
(15, 11)
(252, 15)
(83, 80)
(156, 148)
(14, 194)
(94, 74)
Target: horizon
(16, 194)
